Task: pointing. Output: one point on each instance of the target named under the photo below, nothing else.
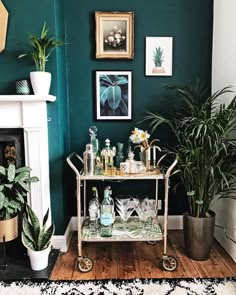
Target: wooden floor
(123, 260)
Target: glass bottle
(93, 139)
(106, 215)
(120, 154)
(107, 155)
(113, 204)
(94, 213)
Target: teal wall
(73, 68)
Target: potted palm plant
(14, 186)
(41, 47)
(37, 238)
(205, 150)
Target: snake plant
(35, 236)
(41, 47)
(205, 143)
(14, 186)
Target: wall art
(3, 26)
(159, 56)
(114, 35)
(113, 95)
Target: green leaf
(8, 185)
(33, 179)
(45, 218)
(11, 172)
(1, 187)
(114, 97)
(2, 170)
(27, 242)
(47, 236)
(22, 176)
(34, 222)
(23, 169)
(121, 80)
(24, 186)
(28, 230)
(2, 199)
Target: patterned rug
(225, 286)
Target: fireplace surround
(30, 113)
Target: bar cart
(85, 264)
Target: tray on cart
(130, 231)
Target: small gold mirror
(3, 26)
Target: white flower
(115, 28)
(119, 31)
(110, 38)
(117, 36)
(106, 41)
(111, 33)
(139, 136)
(123, 37)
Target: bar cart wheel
(169, 263)
(85, 264)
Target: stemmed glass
(142, 211)
(125, 207)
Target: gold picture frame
(114, 35)
(3, 26)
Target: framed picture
(114, 34)
(113, 95)
(159, 56)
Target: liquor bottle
(106, 215)
(107, 155)
(96, 198)
(113, 204)
(94, 213)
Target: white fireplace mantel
(30, 113)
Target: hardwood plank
(128, 267)
(63, 270)
(106, 260)
(149, 262)
(124, 260)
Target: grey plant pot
(198, 236)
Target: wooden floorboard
(128, 260)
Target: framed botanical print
(114, 35)
(113, 95)
(159, 56)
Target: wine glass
(142, 211)
(125, 207)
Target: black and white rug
(199, 286)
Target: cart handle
(167, 175)
(68, 159)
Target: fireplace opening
(12, 147)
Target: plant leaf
(114, 97)
(11, 172)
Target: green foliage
(206, 146)
(34, 236)
(14, 185)
(42, 48)
(113, 95)
(158, 57)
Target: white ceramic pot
(39, 259)
(41, 82)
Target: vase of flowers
(147, 150)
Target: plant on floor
(41, 48)
(35, 236)
(14, 186)
(206, 147)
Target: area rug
(199, 286)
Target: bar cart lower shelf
(133, 229)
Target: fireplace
(24, 122)
(12, 147)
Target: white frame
(166, 45)
(128, 90)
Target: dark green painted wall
(73, 68)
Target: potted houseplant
(37, 238)
(41, 48)
(14, 186)
(205, 149)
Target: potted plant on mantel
(36, 238)
(41, 49)
(14, 186)
(206, 152)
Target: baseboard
(62, 241)
(228, 245)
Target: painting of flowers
(114, 34)
(113, 95)
(159, 56)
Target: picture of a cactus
(158, 57)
